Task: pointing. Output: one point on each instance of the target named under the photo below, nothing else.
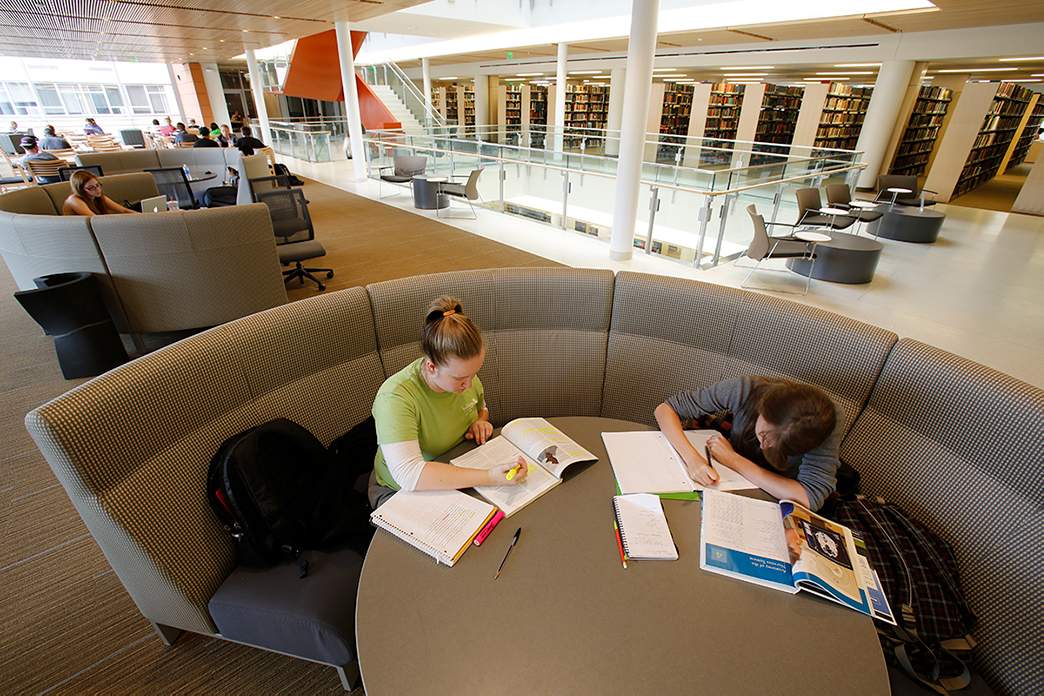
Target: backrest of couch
(121, 162)
(32, 200)
(667, 335)
(670, 335)
(132, 447)
(781, 338)
(545, 331)
(122, 188)
(194, 268)
(213, 158)
(961, 447)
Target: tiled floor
(977, 292)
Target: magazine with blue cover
(790, 548)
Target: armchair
(762, 246)
(468, 191)
(403, 171)
(903, 181)
(808, 211)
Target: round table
(846, 258)
(833, 213)
(895, 193)
(566, 617)
(908, 224)
(426, 194)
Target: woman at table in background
(87, 197)
(431, 406)
(784, 439)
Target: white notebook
(643, 528)
(439, 523)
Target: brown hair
(448, 333)
(78, 181)
(800, 416)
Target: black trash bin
(69, 306)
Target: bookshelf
(723, 115)
(842, 116)
(1028, 134)
(586, 106)
(777, 121)
(511, 107)
(674, 118)
(922, 131)
(444, 99)
(466, 96)
(996, 134)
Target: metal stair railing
(390, 74)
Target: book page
(546, 444)
(824, 556)
(644, 462)
(643, 527)
(728, 480)
(510, 499)
(743, 538)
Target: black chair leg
(302, 273)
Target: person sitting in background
(50, 141)
(248, 143)
(214, 130)
(784, 438)
(91, 127)
(12, 127)
(204, 139)
(155, 128)
(87, 198)
(33, 154)
(224, 137)
(167, 129)
(183, 135)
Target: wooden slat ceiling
(952, 14)
(176, 31)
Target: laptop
(156, 204)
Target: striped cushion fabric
(959, 446)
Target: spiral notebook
(439, 523)
(643, 528)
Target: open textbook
(787, 547)
(546, 450)
(645, 462)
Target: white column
(615, 117)
(426, 71)
(258, 88)
(641, 51)
(215, 93)
(482, 106)
(560, 91)
(351, 98)
(885, 103)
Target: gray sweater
(815, 470)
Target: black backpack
(280, 169)
(278, 491)
(919, 576)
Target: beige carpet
(998, 193)
(68, 625)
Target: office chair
(67, 172)
(269, 183)
(762, 247)
(293, 224)
(468, 191)
(405, 168)
(808, 211)
(172, 183)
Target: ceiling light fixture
(825, 79)
(846, 73)
(750, 67)
(976, 70)
(751, 74)
(857, 65)
(447, 78)
(1014, 60)
(529, 74)
(1020, 79)
(665, 69)
(584, 72)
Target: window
(52, 103)
(22, 98)
(72, 99)
(158, 98)
(148, 99)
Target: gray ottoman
(846, 258)
(311, 618)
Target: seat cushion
(299, 251)
(396, 178)
(275, 609)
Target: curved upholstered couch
(127, 161)
(955, 443)
(160, 271)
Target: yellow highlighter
(511, 473)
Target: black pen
(513, 542)
(707, 448)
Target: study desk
(565, 617)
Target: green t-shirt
(407, 409)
